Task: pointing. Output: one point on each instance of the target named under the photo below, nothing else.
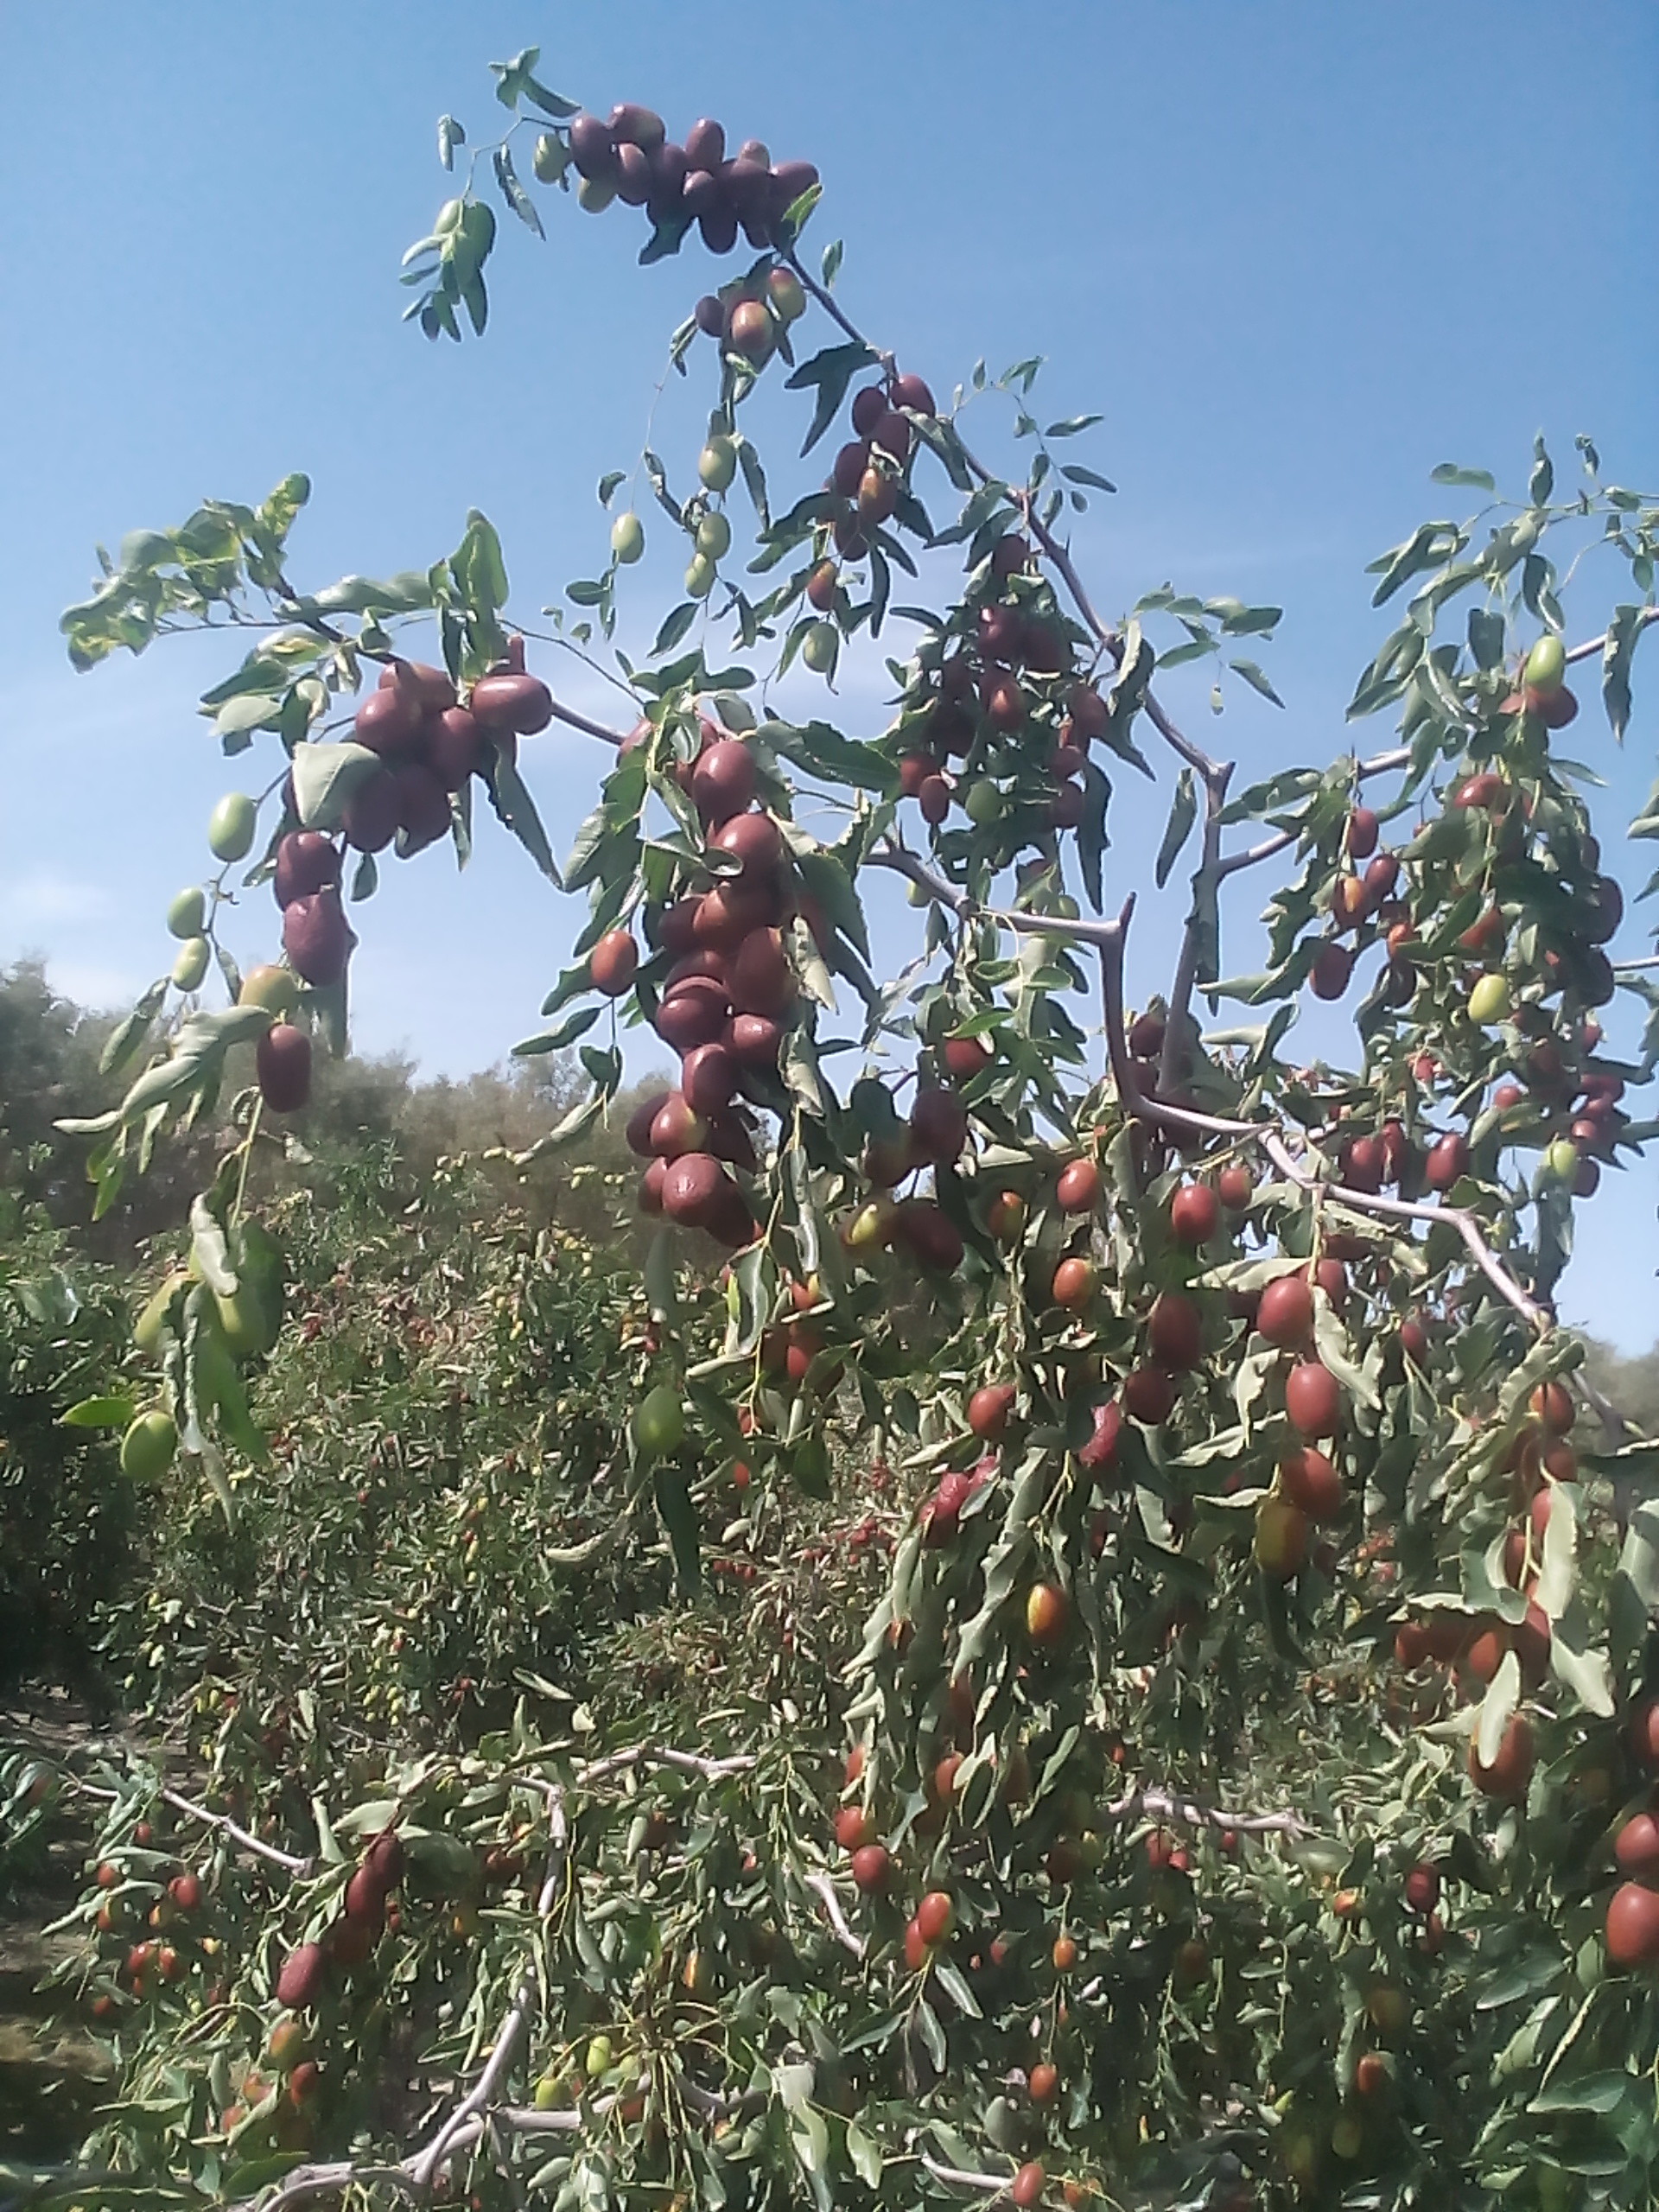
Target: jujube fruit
(1313, 1399)
(613, 963)
(282, 1061)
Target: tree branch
(1591, 646)
(563, 713)
(1145, 1107)
(220, 1820)
(993, 2184)
(822, 1888)
(1164, 1807)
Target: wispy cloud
(47, 899)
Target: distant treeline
(362, 1110)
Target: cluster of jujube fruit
(996, 693)
(630, 157)
(145, 1888)
(727, 989)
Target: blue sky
(1295, 254)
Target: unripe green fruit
(717, 464)
(699, 577)
(627, 538)
(1546, 669)
(598, 2058)
(187, 912)
(713, 537)
(231, 827)
(191, 965)
(658, 1429)
(1490, 1001)
(549, 160)
(148, 1329)
(242, 1323)
(594, 195)
(983, 805)
(1562, 1160)
(819, 646)
(147, 1448)
(547, 2093)
(276, 988)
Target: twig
(1164, 1807)
(1591, 646)
(563, 713)
(1379, 765)
(1145, 1107)
(822, 1888)
(222, 1821)
(993, 2184)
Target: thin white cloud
(46, 898)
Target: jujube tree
(1199, 1368)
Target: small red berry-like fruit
(1194, 1214)
(1078, 1188)
(1637, 1845)
(1285, 1314)
(1047, 1614)
(988, 1409)
(1045, 2083)
(1313, 1398)
(853, 1827)
(1362, 833)
(871, 1868)
(1175, 1331)
(1074, 1283)
(1447, 1160)
(917, 1952)
(1633, 1926)
(1507, 1777)
(1234, 1186)
(613, 962)
(1372, 2075)
(185, 1891)
(1423, 1889)
(1027, 2185)
(1065, 1955)
(935, 1917)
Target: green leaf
(1071, 425)
(1449, 472)
(831, 371)
(1074, 473)
(865, 2156)
(325, 776)
(515, 807)
(1255, 678)
(554, 1041)
(450, 135)
(679, 1519)
(100, 1413)
(1627, 625)
(1183, 813)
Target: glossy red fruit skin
(454, 747)
(613, 963)
(300, 1983)
(988, 1409)
(369, 819)
(1637, 1845)
(1447, 1160)
(938, 1125)
(1333, 968)
(1078, 1188)
(307, 862)
(1175, 1331)
(1633, 1925)
(423, 815)
(709, 1078)
(317, 938)
(753, 1040)
(1149, 1395)
(1311, 1484)
(1194, 1214)
(1313, 1399)
(511, 700)
(283, 1064)
(936, 1916)
(692, 1189)
(910, 391)
(1507, 1777)
(389, 721)
(1362, 833)
(1101, 1448)
(638, 1129)
(872, 1868)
